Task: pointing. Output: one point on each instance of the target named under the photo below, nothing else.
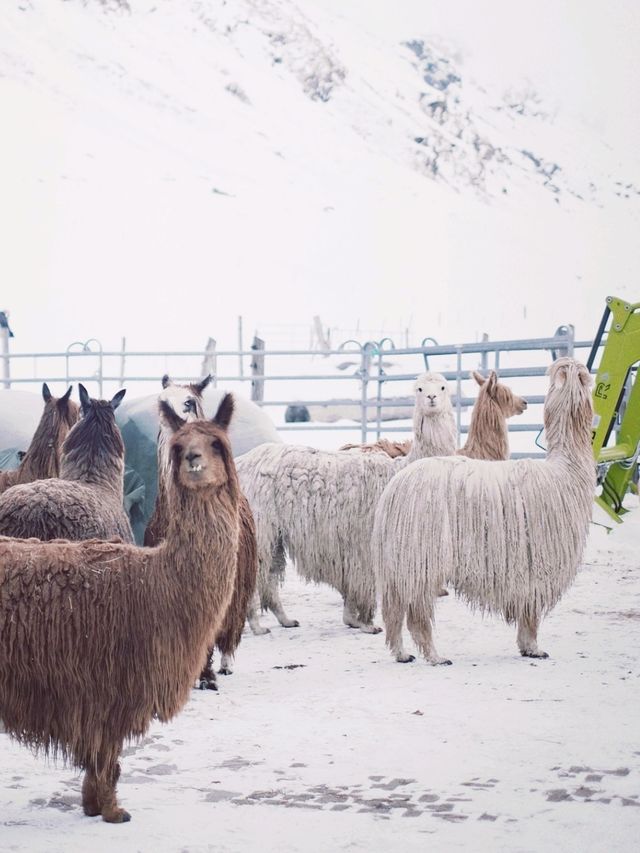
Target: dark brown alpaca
(42, 458)
(488, 436)
(188, 400)
(80, 622)
(85, 502)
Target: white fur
(508, 536)
(319, 505)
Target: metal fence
(275, 381)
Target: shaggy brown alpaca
(488, 436)
(188, 398)
(86, 501)
(42, 458)
(80, 622)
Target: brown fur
(82, 622)
(85, 502)
(42, 458)
(228, 639)
(488, 436)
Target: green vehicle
(616, 402)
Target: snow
(320, 741)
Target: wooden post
(210, 361)
(257, 370)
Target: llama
(319, 505)
(188, 399)
(80, 621)
(488, 436)
(86, 501)
(42, 458)
(508, 536)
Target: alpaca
(188, 399)
(508, 536)
(80, 621)
(86, 501)
(319, 505)
(488, 436)
(42, 459)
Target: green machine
(616, 402)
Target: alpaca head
(508, 403)
(432, 394)
(96, 431)
(200, 449)
(186, 400)
(568, 407)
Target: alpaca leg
(90, 804)
(419, 625)
(528, 637)
(270, 593)
(207, 678)
(253, 617)
(357, 615)
(106, 781)
(393, 617)
(226, 664)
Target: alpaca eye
(419, 389)
(442, 387)
(216, 444)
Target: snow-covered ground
(321, 742)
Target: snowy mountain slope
(279, 159)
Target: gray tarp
(20, 412)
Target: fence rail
(87, 362)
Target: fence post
(484, 358)
(257, 370)
(209, 362)
(365, 366)
(5, 334)
(122, 361)
(459, 391)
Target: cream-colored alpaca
(319, 505)
(508, 536)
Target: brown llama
(488, 436)
(42, 458)
(80, 621)
(188, 400)
(85, 502)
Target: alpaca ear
(584, 376)
(170, 417)
(21, 454)
(117, 398)
(85, 400)
(198, 387)
(491, 383)
(46, 394)
(166, 381)
(478, 377)
(225, 412)
(62, 402)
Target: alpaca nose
(432, 397)
(192, 455)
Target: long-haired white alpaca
(508, 536)
(318, 506)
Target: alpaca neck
(433, 435)
(96, 463)
(42, 459)
(199, 552)
(488, 436)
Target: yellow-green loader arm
(618, 371)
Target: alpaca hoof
(260, 631)
(225, 670)
(92, 811)
(207, 684)
(405, 658)
(290, 623)
(116, 816)
(443, 592)
(441, 662)
(528, 654)
(371, 629)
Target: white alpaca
(508, 536)
(319, 505)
